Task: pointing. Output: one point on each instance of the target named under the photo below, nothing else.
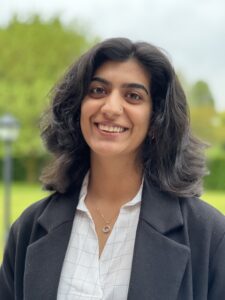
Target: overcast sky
(191, 31)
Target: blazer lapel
(45, 257)
(159, 262)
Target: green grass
(23, 195)
(216, 199)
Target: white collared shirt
(84, 275)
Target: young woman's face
(116, 111)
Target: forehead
(129, 70)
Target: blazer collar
(60, 209)
(161, 210)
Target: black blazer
(179, 249)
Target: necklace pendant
(106, 229)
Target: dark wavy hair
(173, 159)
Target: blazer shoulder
(202, 219)
(30, 215)
(197, 207)
(36, 208)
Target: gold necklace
(107, 227)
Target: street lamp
(9, 130)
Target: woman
(124, 221)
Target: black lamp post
(9, 130)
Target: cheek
(89, 110)
(85, 111)
(143, 120)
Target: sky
(191, 31)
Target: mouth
(110, 128)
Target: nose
(113, 105)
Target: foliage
(202, 122)
(220, 124)
(21, 165)
(200, 95)
(209, 125)
(215, 180)
(33, 56)
(206, 122)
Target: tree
(33, 56)
(200, 95)
(220, 129)
(202, 111)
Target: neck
(114, 180)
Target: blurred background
(40, 39)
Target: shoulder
(205, 228)
(34, 210)
(203, 222)
(45, 214)
(197, 209)
(25, 223)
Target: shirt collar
(137, 198)
(83, 192)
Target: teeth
(111, 128)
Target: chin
(107, 153)
(113, 152)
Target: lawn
(23, 195)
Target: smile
(111, 128)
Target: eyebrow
(125, 85)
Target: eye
(133, 96)
(96, 91)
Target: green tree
(219, 123)
(203, 113)
(33, 56)
(200, 95)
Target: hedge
(20, 168)
(216, 178)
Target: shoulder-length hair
(173, 159)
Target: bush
(25, 168)
(216, 179)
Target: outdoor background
(40, 39)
